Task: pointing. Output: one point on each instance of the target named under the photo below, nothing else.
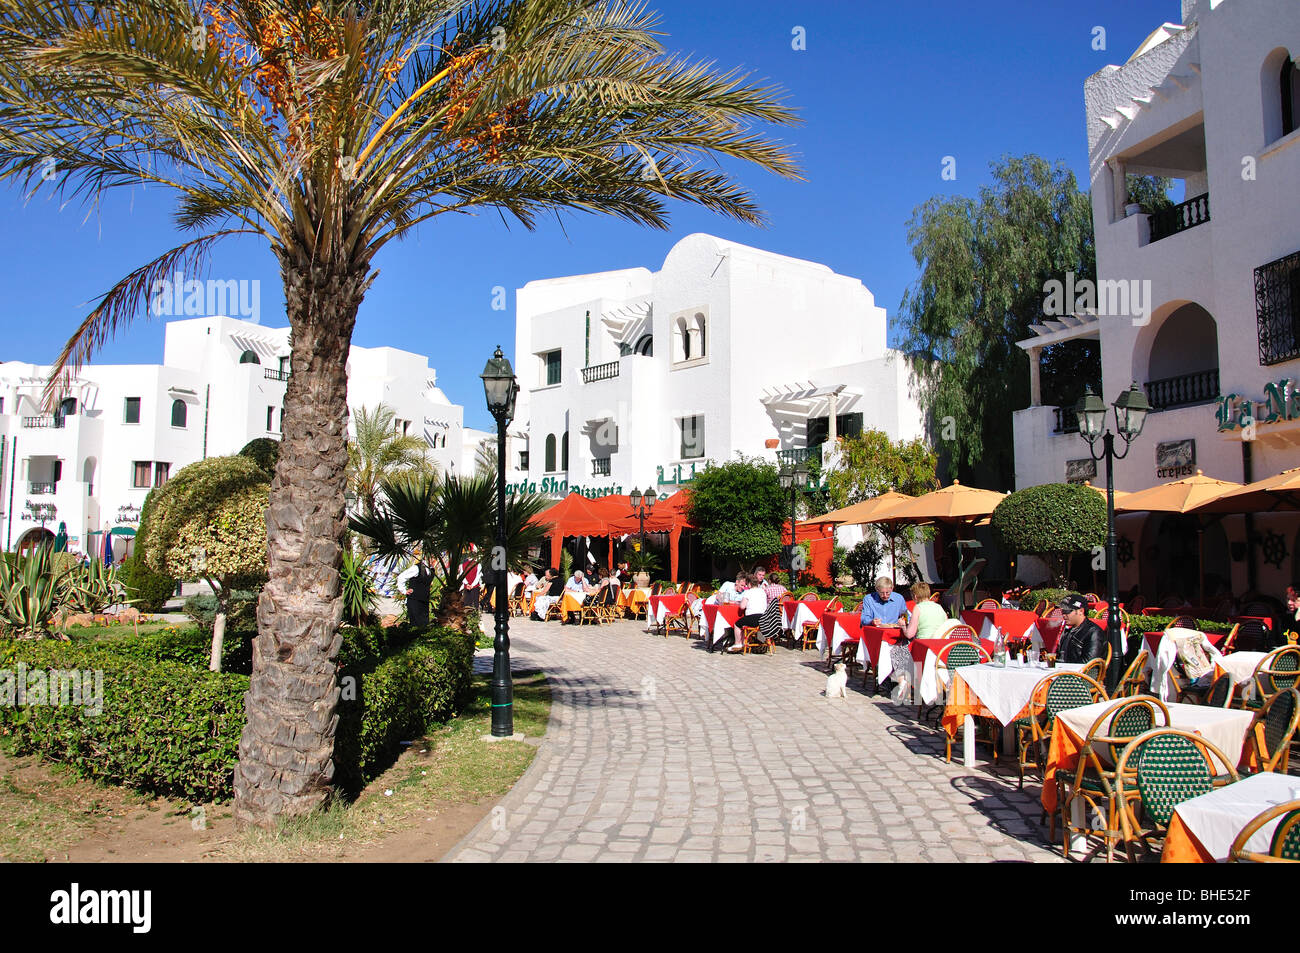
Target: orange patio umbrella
(1181, 496)
(1275, 493)
(951, 504)
(866, 511)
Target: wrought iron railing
(600, 372)
(1181, 217)
(1277, 309)
(600, 466)
(1067, 420)
(799, 455)
(42, 489)
(44, 422)
(1199, 387)
(273, 375)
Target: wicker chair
(599, 608)
(683, 621)
(749, 638)
(808, 637)
(987, 604)
(1181, 622)
(1285, 846)
(955, 656)
(1096, 669)
(1053, 693)
(1273, 729)
(1165, 766)
(515, 603)
(1134, 680)
(1094, 779)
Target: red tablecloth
(1153, 639)
(874, 636)
(1013, 622)
(730, 612)
(672, 603)
(850, 622)
(816, 606)
(920, 646)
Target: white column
(1035, 385)
(831, 407)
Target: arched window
(645, 345)
(1290, 82)
(697, 333)
(249, 357)
(564, 451)
(68, 407)
(550, 453)
(178, 413)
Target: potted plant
(641, 562)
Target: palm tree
(331, 128)
(378, 451)
(447, 523)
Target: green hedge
(149, 590)
(170, 727)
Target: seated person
(925, 621)
(554, 585)
(772, 589)
(884, 607)
(753, 603)
(1082, 640)
(729, 592)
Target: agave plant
(29, 594)
(359, 596)
(90, 588)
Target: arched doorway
(1173, 546)
(32, 539)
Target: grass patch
(117, 631)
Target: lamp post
(501, 388)
(635, 498)
(792, 477)
(1131, 411)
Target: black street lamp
(501, 388)
(1130, 415)
(635, 498)
(792, 479)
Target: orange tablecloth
(568, 603)
(962, 702)
(1181, 845)
(633, 600)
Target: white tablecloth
(1240, 667)
(1215, 819)
(801, 615)
(1006, 691)
(1225, 728)
(1162, 660)
(990, 631)
(838, 635)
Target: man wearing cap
(1083, 640)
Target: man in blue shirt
(884, 607)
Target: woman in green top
(927, 617)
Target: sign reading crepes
(1175, 459)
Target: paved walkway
(659, 751)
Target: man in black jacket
(1083, 640)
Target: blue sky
(886, 90)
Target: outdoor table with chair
(930, 677)
(719, 618)
(1012, 623)
(633, 600)
(1204, 829)
(659, 608)
(795, 613)
(1163, 652)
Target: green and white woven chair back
(1285, 661)
(961, 655)
(1170, 770)
(1286, 838)
(1067, 691)
(1278, 720)
(1217, 696)
(1134, 720)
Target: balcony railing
(799, 455)
(599, 372)
(42, 489)
(1198, 388)
(600, 466)
(273, 375)
(44, 422)
(1067, 421)
(1181, 217)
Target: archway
(33, 538)
(1173, 546)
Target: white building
(633, 379)
(1214, 339)
(121, 430)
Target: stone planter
(641, 580)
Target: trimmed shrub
(1052, 521)
(172, 728)
(148, 589)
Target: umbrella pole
(1200, 560)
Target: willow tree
(331, 128)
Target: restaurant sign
(1175, 459)
(1281, 402)
(557, 487)
(1080, 471)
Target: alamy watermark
(1109, 297)
(177, 297)
(59, 687)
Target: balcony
(1180, 218)
(42, 489)
(1066, 420)
(274, 375)
(600, 372)
(600, 466)
(43, 422)
(802, 455)
(1199, 387)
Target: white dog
(837, 681)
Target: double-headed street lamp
(501, 388)
(1131, 411)
(635, 498)
(793, 478)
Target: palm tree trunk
(286, 752)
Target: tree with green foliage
(263, 451)
(328, 129)
(379, 451)
(740, 509)
(209, 522)
(1052, 521)
(984, 263)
